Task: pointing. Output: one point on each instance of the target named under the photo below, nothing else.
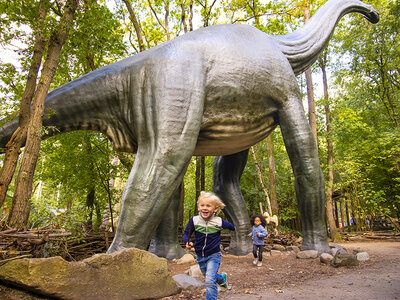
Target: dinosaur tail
(303, 46)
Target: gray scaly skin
(214, 91)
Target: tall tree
(19, 137)
(312, 117)
(20, 209)
(333, 233)
(136, 26)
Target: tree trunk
(272, 177)
(197, 182)
(90, 206)
(20, 208)
(329, 202)
(312, 120)
(341, 212)
(348, 215)
(336, 213)
(136, 25)
(261, 181)
(203, 174)
(19, 137)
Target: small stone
(307, 254)
(278, 247)
(186, 259)
(326, 258)
(295, 249)
(186, 282)
(337, 249)
(362, 256)
(275, 252)
(194, 271)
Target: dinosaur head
(371, 14)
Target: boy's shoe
(224, 285)
(255, 261)
(259, 264)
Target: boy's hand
(258, 234)
(189, 245)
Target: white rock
(194, 271)
(362, 256)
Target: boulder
(326, 258)
(126, 274)
(186, 282)
(344, 260)
(307, 254)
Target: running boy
(207, 239)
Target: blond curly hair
(214, 198)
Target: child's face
(206, 208)
(257, 221)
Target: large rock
(126, 274)
(344, 260)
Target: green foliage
(366, 124)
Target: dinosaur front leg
(164, 242)
(309, 180)
(227, 172)
(168, 113)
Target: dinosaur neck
(96, 102)
(303, 46)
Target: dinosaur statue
(214, 91)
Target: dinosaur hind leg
(227, 172)
(309, 180)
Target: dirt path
(285, 277)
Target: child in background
(258, 234)
(207, 239)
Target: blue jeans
(209, 266)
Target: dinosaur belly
(227, 134)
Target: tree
(19, 137)
(322, 61)
(20, 208)
(368, 107)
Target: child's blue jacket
(207, 234)
(262, 233)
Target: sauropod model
(214, 91)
